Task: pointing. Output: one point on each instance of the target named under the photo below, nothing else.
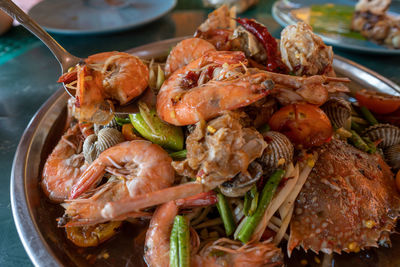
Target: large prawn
(102, 77)
(138, 167)
(64, 165)
(219, 81)
(208, 86)
(157, 246)
(185, 52)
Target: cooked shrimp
(185, 52)
(110, 75)
(64, 165)
(157, 246)
(139, 166)
(374, 6)
(206, 87)
(158, 234)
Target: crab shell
(349, 202)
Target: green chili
(266, 197)
(151, 127)
(178, 155)
(226, 214)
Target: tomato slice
(379, 103)
(91, 236)
(304, 124)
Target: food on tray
(371, 19)
(239, 144)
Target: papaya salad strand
(238, 143)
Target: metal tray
(34, 215)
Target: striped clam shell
(279, 151)
(95, 144)
(392, 156)
(112, 124)
(338, 111)
(389, 134)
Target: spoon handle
(63, 57)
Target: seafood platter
(244, 151)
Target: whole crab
(348, 203)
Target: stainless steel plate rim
(38, 250)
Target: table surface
(28, 74)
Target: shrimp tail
(120, 208)
(88, 179)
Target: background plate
(34, 215)
(97, 16)
(288, 12)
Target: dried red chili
(274, 62)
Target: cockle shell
(112, 124)
(95, 144)
(338, 111)
(389, 134)
(392, 156)
(279, 151)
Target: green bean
(122, 121)
(358, 142)
(173, 244)
(151, 127)
(371, 145)
(359, 120)
(247, 203)
(343, 133)
(266, 197)
(249, 200)
(226, 214)
(254, 202)
(368, 116)
(178, 154)
(183, 241)
(356, 127)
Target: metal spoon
(65, 59)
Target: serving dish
(75, 17)
(34, 215)
(287, 12)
